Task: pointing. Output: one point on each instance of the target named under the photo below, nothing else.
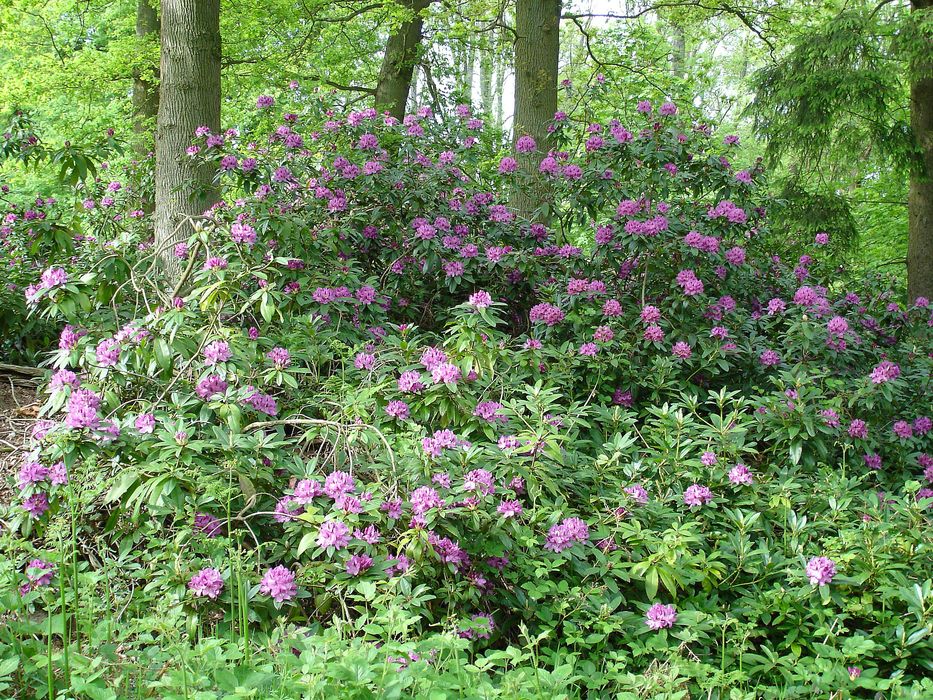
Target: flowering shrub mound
(621, 436)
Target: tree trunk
(469, 60)
(537, 56)
(399, 61)
(678, 51)
(485, 79)
(414, 94)
(498, 88)
(920, 198)
(145, 89)
(190, 97)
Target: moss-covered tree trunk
(189, 98)
(399, 60)
(920, 198)
(145, 82)
(537, 55)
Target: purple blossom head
(398, 410)
(681, 350)
(566, 533)
(769, 358)
(480, 300)
(923, 425)
(637, 493)
(36, 504)
(776, 306)
(279, 584)
(660, 616)
(260, 402)
(216, 352)
(603, 334)
(145, 423)
(432, 357)
(479, 480)
(69, 337)
(243, 233)
(820, 570)
(903, 429)
(108, 353)
(58, 474)
(525, 144)
(858, 429)
(697, 495)
(424, 499)
(338, 483)
(280, 357)
(208, 524)
(82, 409)
(885, 372)
(210, 386)
(54, 277)
(206, 583)
(740, 474)
(445, 373)
(31, 473)
(358, 563)
(38, 574)
(410, 382)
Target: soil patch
(18, 410)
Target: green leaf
(266, 308)
(651, 583)
(7, 666)
(306, 541)
(123, 484)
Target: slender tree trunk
(678, 51)
(537, 56)
(190, 97)
(414, 94)
(499, 88)
(920, 198)
(145, 88)
(469, 61)
(485, 79)
(398, 64)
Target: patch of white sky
(601, 13)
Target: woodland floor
(18, 410)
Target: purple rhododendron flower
(358, 563)
(820, 570)
(697, 495)
(660, 616)
(206, 583)
(38, 575)
(333, 533)
(279, 584)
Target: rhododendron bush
(621, 442)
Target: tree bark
(920, 197)
(537, 57)
(499, 73)
(399, 61)
(145, 88)
(469, 61)
(485, 79)
(190, 97)
(678, 51)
